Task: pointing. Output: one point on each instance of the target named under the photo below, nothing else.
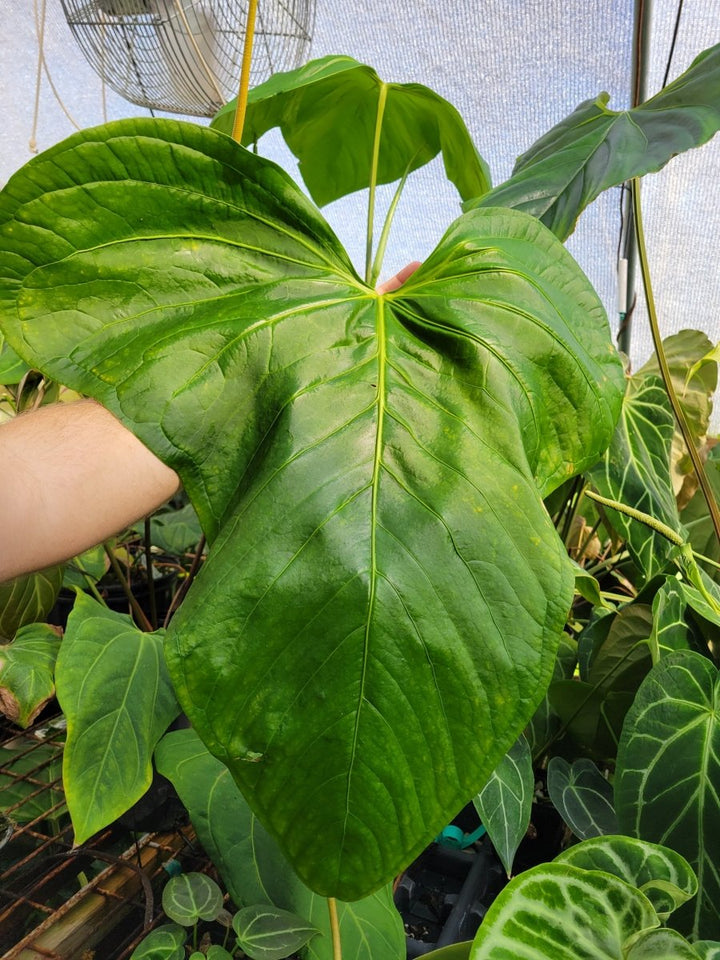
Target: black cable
(676, 29)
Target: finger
(399, 279)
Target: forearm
(71, 475)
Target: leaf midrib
(377, 464)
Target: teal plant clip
(455, 837)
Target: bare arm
(71, 475)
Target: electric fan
(183, 56)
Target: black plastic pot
(445, 893)
(114, 596)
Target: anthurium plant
(380, 611)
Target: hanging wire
(676, 30)
(626, 253)
(40, 20)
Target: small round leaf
(192, 897)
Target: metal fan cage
(183, 56)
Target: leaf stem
(382, 99)
(334, 928)
(147, 547)
(663, 364)
(241, 108)
(384, 236)
(142, 620)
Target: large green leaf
(560, 912)
(384, 582)
(114, 689)
(504, 803)
(27, 672)
(665, 877)
(12, 368)
(252, 866)
(596, 148)
(635, 471)
(667, 787)
(311, 106)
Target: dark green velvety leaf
(559, 912)
(190, 897)
(582, 796)
(328, 111)
(384, 582)
(635, 471)
(165, 943)
(252, 866)
(667, 785)
(622, 658)
(670, 630)
(596, 148)
(113, 687)
(27, 672)
(28, 599)
(505, 801)
(707, 949)
(268, 933)
(666, 878)
(545, 721)
(662, 945)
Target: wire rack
(73, 903)
(183, 56)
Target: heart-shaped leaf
(666, 878)
(560, 912)
(582, 796)
(384, 580)
(252, 866)
(662, 945)
(27, 672)
(670, 630)
(596, 148)
(268, 933)
(707, 949)
(635, 471)
(190, 897)
(667, 785)
(505, 801)
(114, 689)
(164, 943)
(311, 105)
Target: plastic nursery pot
(114, 596)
